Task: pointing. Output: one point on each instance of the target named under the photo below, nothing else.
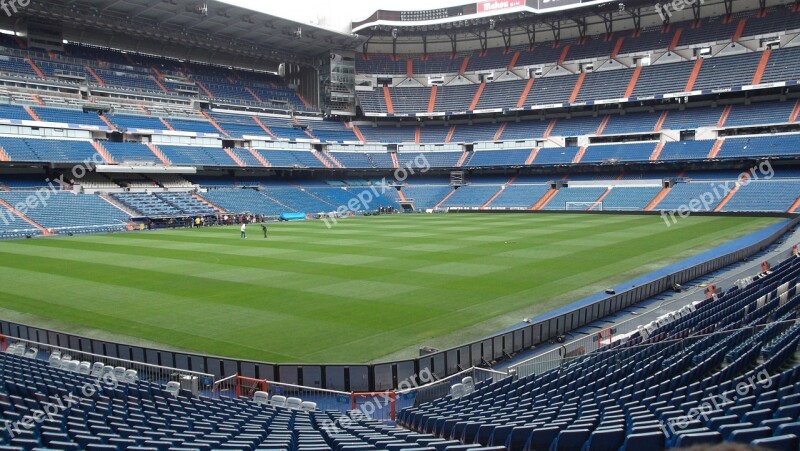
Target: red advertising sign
(497, 5)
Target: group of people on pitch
(244, 230)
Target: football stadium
(523, 225)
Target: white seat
(469, 385)
(55, 362)
(55, 354)
(107, 371)
(65, 363)
(173, 388)
(32, 353)
(308, 406)
(84, 368)
(73, 366)
(260, 397)
(293, 403)
(131, 376)
(457, 391)
(97, 369)
(19, 350)
(278, 401)
(119, 373)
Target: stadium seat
(308, 406)
(173, 388)
(649, 441)
(260, 397)
(697, 438)
(747, 435)
(605, 440)
(278, 401)
(787, 442)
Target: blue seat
(470, 432)
(773, 423)
(698, 438)
(543, 437)
(441, 446)
(750, 434)
(67, 446)
(485, 432)
(790, 399)
(789, 428)
(500, 435)
(570, 439)
(727, 429)
(605, 440)
(787, 442)
(24, 443)
(519, 438)
(650, 441)
(757, 416)
(792, 411)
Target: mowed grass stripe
(364, 289)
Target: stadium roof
(188, 24)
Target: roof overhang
(197, 27)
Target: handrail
(149, 369)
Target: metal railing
(574, 349)
(147, 372)
(439, 389)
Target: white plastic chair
(73, 366)
(293, 403)
(119, 373)
(260, 397)
(278, 401)
(173, 388)
(65, 363)
(131, 376)
(457, 391)
(469, 385)
(32, 353)
(55, 362)
(97, 369)
(107, 370)
(308, 406)
(85, 368)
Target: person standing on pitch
(264, 229)
(244, 230)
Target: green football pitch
(368, 289)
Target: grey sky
(335, 14)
